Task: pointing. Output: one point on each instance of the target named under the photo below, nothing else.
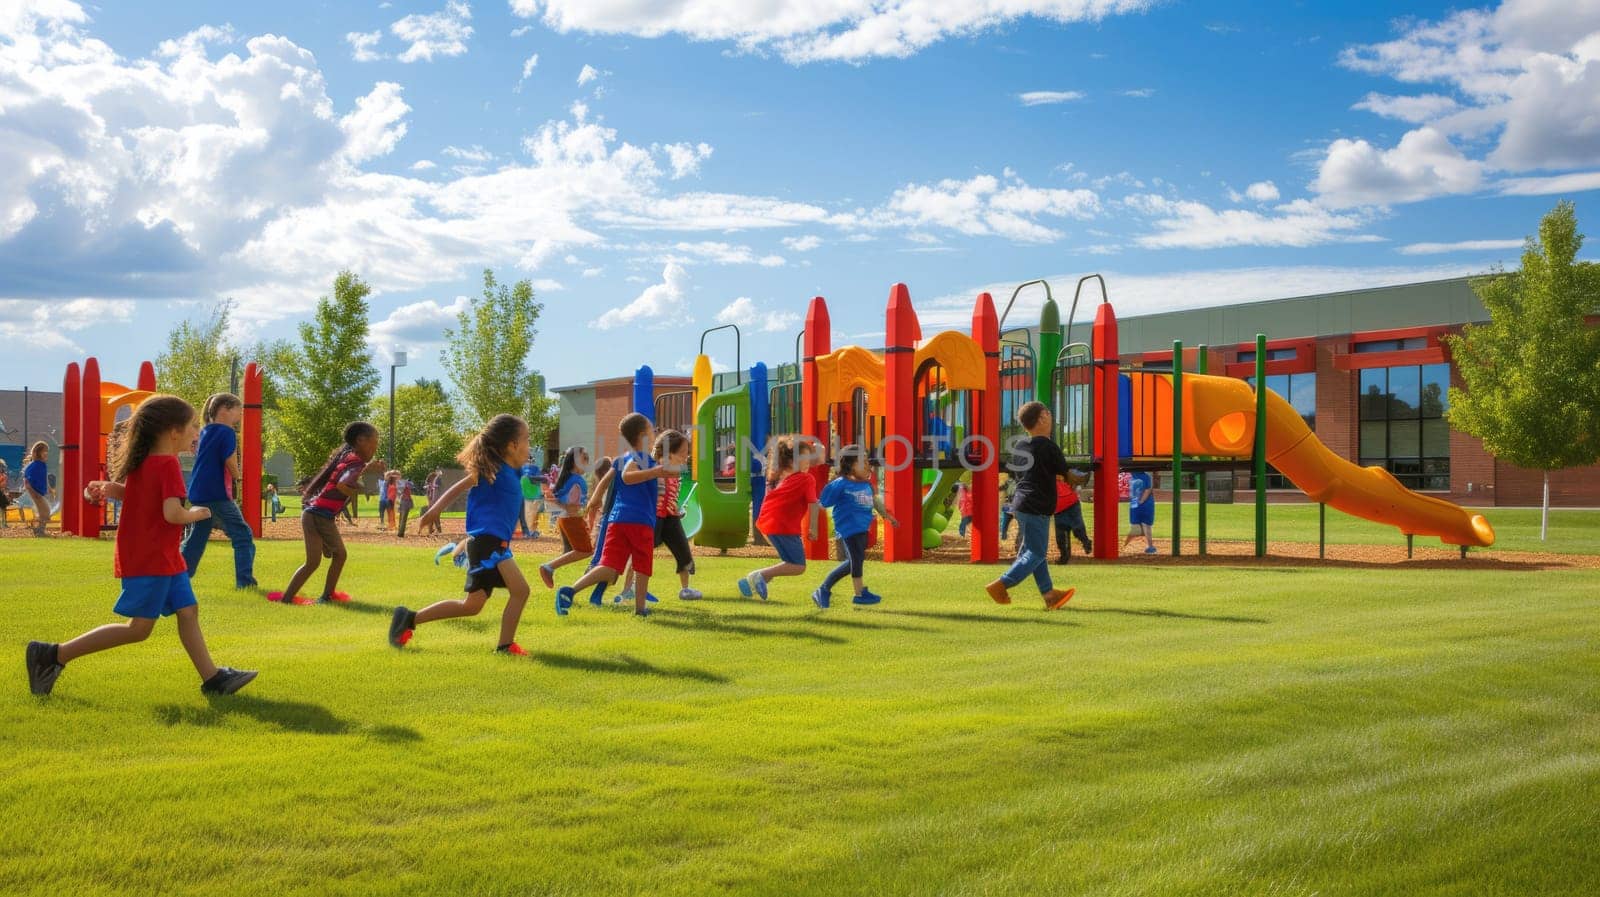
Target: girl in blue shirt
(571, 494)
(36, 480)
(494, 505)
(852, 500)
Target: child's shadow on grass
(819, 619)
(290, 716)
(629, 666)
(703, 622)
(982, 618)
(1167, 614)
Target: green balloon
(940, 523)
(931, 538)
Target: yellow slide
(1219, 419)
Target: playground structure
(92, 408)
(932, 411)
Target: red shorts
(629, 542)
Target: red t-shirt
(1066, 496)
(147, 545)
(783, 511)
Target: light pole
(399, 362)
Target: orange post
(250, 462)
(902, 492)
(814, 419)
(985, 425)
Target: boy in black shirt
(1036, 465)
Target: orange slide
(1219, 419)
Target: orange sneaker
(1055, 599)
(997, 591)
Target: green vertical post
(1322, 530)
(1044, 364)
(1200, 477)
(1177, 447)
(1261, 445)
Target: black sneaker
(401, 626)
(226, 681)
(43, 667)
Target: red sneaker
(513, 649)
(340, 597)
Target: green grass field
(1215, 730)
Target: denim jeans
(1035, 555)
(226, 514)
(855, 555)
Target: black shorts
(484, 555)
(669, 532)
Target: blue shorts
(1145, 514)
(150, 597)
(791, 549)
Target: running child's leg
(855, 550)
(839, 572)
(313, 541)
(193, 547)
(194, 642)
(516, 599)
(594, 576)
(102, 638)
(335, 567)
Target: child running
(791, 499)
(1069, 517)
(852, 501)
(672, 449)
(215, 469)
(490, 459)
(146, 478)
(325, 497)
(571, 494)
(1039, 463)
(631, 523)
(1141, 510)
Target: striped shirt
(667, 505)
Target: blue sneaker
(642, 613)
(598, 596)
(443, 553)
(626, 595)
(563, 600)
(1150, 550)
(821, 597)
(866, 597)
(744, 587)
(649, 598)
(754, 583)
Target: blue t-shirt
(34, 475)
(851, 502)
(1137, 484)
(493, 508)
(563, 490)
(636, 503)
(208, 479)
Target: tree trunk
(1544, 512)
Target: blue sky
(663, 169)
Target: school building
(1366, 369)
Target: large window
(1300, 391)
(1402, 423)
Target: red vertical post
(72, 421)
(902, 491)
(91, 454)
(147, 377)
(1103, 346)
(817, 342)
(250, 449)
(985, 425)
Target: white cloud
(802, 244)
(711, 252)
(442, 33)
(744, 313)
(985, 206)
(589, 73)
(1577, 182)
(1141, 93)
(593, 272)
(804, 31)
(1528, 77)
(1049, 97)
(377, 124)
(1424, 164)
(1262, 191)
(363, 44)
(417, 325)
(664, 304)
(36, 326)
(1193, 225)
(685, 158)
(518, 32)
(1462, 246)
(1414, 109)
(423, 165)
(528, 66)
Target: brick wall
(1337, 421)
(1575, 487)
(612, 402)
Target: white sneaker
(624, 596)
(689, 595)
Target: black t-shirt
(1036, 486)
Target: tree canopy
(486, 358)
(328, 380)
